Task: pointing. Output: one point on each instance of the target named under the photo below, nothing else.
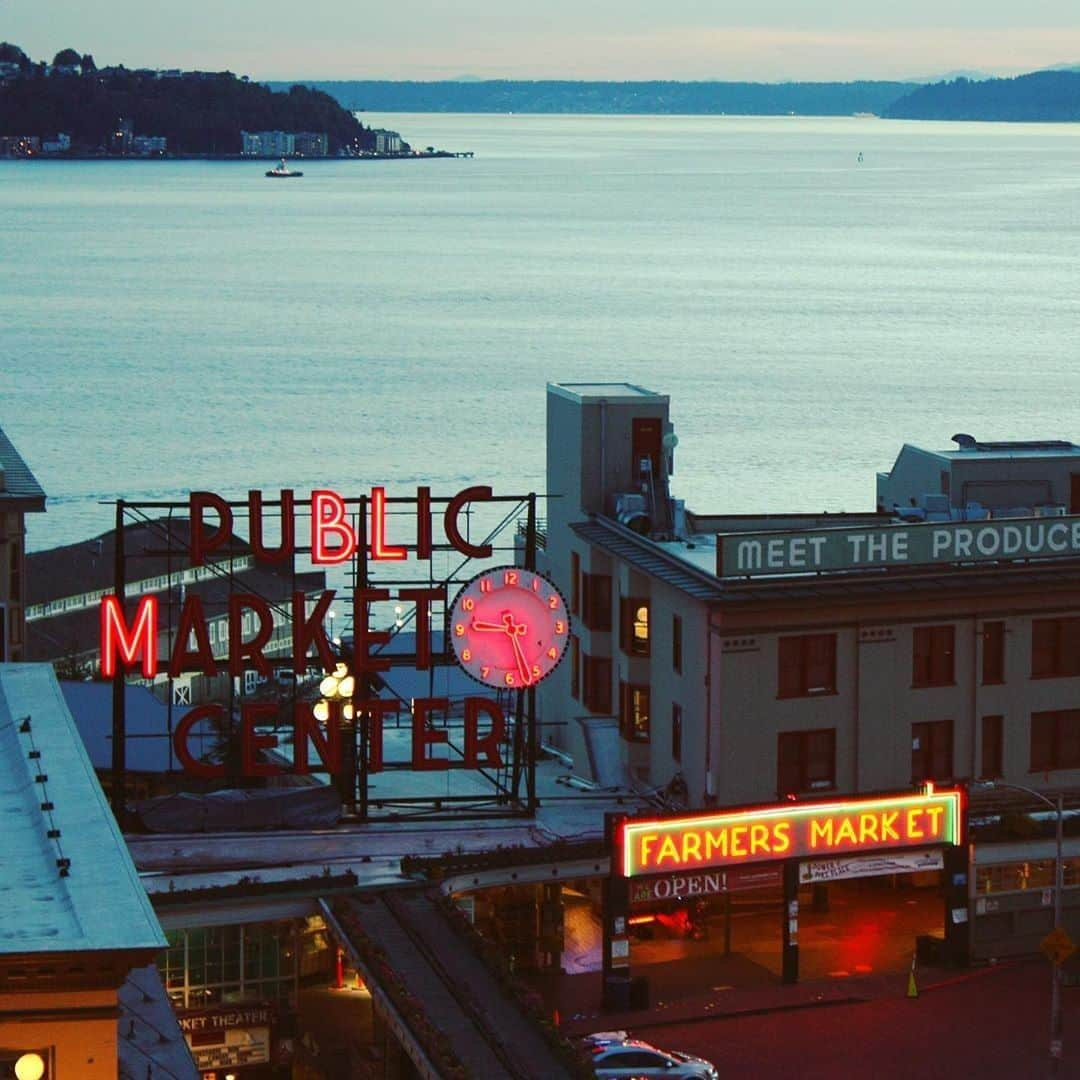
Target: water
(169, 326)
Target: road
(993, 1023)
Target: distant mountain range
(1052, 95)
(560, 96)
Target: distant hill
(199, 112)
(1040, 96)
(557, 96)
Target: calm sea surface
(171, 326)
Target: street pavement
(984, 1022)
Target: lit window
(634, 626)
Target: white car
(616, 1057)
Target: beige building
(731, 660)
(76, 927)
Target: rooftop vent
(965, 442)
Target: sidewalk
(578, 997)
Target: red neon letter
(328, 519)
(288, 527)
(327, 746)
(423, 736)
(423, 523)
(450, 519)
(192, 764)
(201, 544)
(488, 745)
(370, 712)
(201, 658)
(251, 742)
(423, 598)
(381, 551)
(142, 637)
(240, 650)
(362, 636)
(309, 628)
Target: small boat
(283, 170)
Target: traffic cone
(912, 989)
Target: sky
(767, 40)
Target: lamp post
(340, 686)
(1058, 806)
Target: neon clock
(509, 627)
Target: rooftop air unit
(631, 510)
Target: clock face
(509, 627)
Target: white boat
(283, 170)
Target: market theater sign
(702, 842)
(811, 550)
(127, 646)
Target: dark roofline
(18, 486)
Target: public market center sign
(811, 550)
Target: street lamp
(1058, 806)
(340, 687)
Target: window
(596, 671)
(1055, 740)
(575, 667)
(993, 656)
(1055, 648)
(596, 601)
(933, 665)
(634, 712)
(992, 747)
(575, 583)
(676, 643)
(931, 751)
(806, 761)
(634, 626)
(676, 732)
(807, 665)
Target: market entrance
(862, 885)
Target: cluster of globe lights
(338, 686)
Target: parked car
(618, 1057)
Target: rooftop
(969, 447)
(616, 391)
(69, 884)
(17, 482)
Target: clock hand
(501, 628)
(522, 664)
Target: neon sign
(336, 537)
(703, 841)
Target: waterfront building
(60, 145)
(388, 142)
(726, 660)
(148, 145)
(311, 143)
(267, 144)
